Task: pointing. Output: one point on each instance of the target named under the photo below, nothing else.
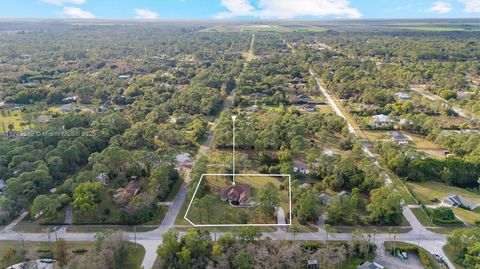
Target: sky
(240, 9)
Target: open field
(418, 142)
(425, 191)
(265, 28)
(14, 117)
(427, 146)
(438, 27)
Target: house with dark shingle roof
(236, 194)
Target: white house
(381, 120)
(2, 186)
(402, 95)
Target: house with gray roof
(459, 201)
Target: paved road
(10, 226)
(351, 129)
(432, 97)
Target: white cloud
(440, 7)
(287, 9)
(75, 12)
(236, 8)
(471, 6)
(143, 13)
(63, 2)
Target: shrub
(79, 250)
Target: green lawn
(136, 253)
(468, 216)
(422, 217)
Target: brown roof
(239, 193)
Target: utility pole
(135, 234)
(233, 153)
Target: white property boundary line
(244, 225)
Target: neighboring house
(2, 186)
(31, 84)
(312, 264)
(308, 107)
(344, 193)
(253, 108)
(325, 198)
(303, 98)
(11, 106)
(301, 167)
(402, 95)
(126, 193)
(102, 178)
(70, 99)
(399, 138)
(463, 94)
(184, 161)
(71, 107)
(460, 201)
(43, 118)
(236, 194)
(257, 96)
(370, 265)
(381, 120)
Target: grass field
(438, 27)
(265, 28)
(425, 191)
(422, 216)
(8, 117)
(466, 215)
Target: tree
(328, 230)
(87, 196)
(268, 199)
(248, 234)
(465, 244)
(308, 207)
(385, 207)
(45, 206)
(161, 180)
(294, 230)
(443, 213)
(242, 260)
(167, 251)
